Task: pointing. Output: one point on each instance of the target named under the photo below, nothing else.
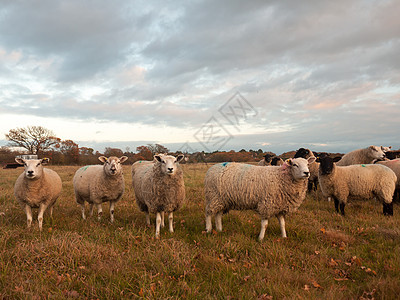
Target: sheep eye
(38, 165)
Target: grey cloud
(299, 64)
(86, 36)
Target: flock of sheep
(270, 190)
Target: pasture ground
(325, 255)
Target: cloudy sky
(203, 75)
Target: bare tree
(35, 139)
(70, 150)
(157, 148)
(108, 151)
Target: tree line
(44, 143)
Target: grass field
(325, 255)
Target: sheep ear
(19, 160)
(158, 157)
(337, 158)
(311, 159)
(123, 159)
(103, 159)
(179, 157)
(45, 161)
(289, 162)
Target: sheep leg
(83, 211)
(147, 218)
(112, 205)
(42, 208)
(264, 224)
(281, 220)
(208, 223)
(396, 195)
(158, 223)
(162, 220)
(218, 221)
(336, 204)
(388, 209)
(51, 211)
(309, 186)
(170, 221)
(99, 211)
(91, 207)
(28, 211)
(342, 205)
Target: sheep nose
(30, 172)
(170, 169)
(306, 173)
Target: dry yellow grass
(325, 255)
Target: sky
(203, 75)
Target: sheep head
(33, 167)
(376, 152)
(299, 167)
(386, 149)
(276, 161)
(304, 153)
(112, 165)
(327, 164)
(268, 157)
(168, 163)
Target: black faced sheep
(363, 181)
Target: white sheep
(159, 187)
(100, 183)
(37, 187)
(361, 156)
(313, 168)
(386, 148)
(363, 181)
(270, 191)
